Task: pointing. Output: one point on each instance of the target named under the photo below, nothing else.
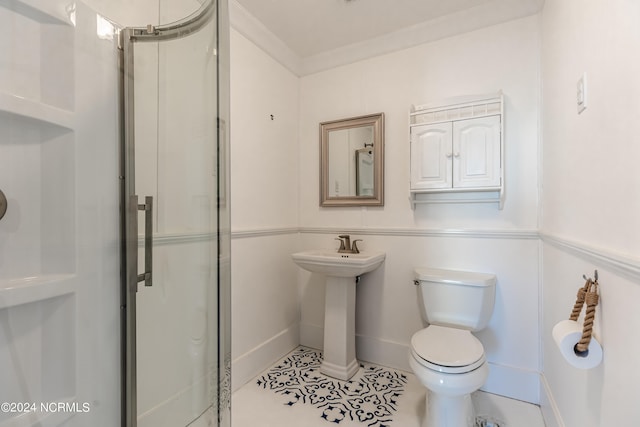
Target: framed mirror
(352, 161)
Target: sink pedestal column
(339, 359)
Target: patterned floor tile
(370, 397)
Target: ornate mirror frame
(376, 121)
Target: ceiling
(322, 28)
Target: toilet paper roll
(566, 334)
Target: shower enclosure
(113, 161)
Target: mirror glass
(352, 161)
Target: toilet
(445, 356)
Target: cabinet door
(431, 156)
(476, 153)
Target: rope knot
(592, 298)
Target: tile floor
(294, 393)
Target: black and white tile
(370, 397)
(282, 396)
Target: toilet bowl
(445, 356)
(451, 364)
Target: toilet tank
(459, 299)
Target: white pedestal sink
(341, 269)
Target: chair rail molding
(610, 260)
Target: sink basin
(332, 263)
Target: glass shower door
(171, 193)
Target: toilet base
(448, 401)
(448, 411)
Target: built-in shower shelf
(31, 289)
(28, 109)
(45, 12)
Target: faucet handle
(342, 247)
(354, 248)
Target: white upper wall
(502, 57)
(591, 199)
(264, 150)
(591, 182)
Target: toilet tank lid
(469, 278)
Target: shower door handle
(147, 207)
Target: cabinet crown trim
(457, 108)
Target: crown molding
(492, 13)
(488, 14)
(247, 25)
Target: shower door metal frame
(129, 205)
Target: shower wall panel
(59, 273)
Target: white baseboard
(311, 335)
(368, 349)
(505, 381)
(383, 352)
(245, 367)
(515, 383)
(548, 405)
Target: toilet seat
(447, 350)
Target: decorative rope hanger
(587, 294)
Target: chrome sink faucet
(346, 246)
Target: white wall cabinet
(456, 151)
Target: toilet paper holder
(588, 294)
(595, 276)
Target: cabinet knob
(456, 154)
(449, 155)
